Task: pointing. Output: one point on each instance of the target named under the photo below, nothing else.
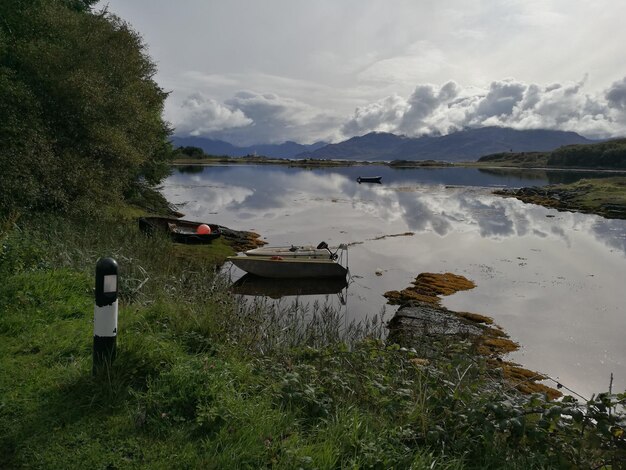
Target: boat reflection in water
(250, 284)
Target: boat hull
(250, 284)
(369, 179)
(288, 268)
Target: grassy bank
(605, 197)
(204, 379)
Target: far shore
(401, 164)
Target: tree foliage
(192, 152)
(80, 113)
(611, 154)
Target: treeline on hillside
(194, 152)
(522, 158)
(611, 154)
(189, 151)
(603, 155)
(80, 113)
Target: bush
(80, 115)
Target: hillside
(372, 146)
(465, 145)
(611, 154)
(601, 155)
(220, 147)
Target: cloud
(250, 118)
(200, 115)
(502, 97)
(384, 116)
(424, 101)
(506, 103)
(395, 114)
(616, 97)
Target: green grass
(206, 380)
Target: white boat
(293, 262)
(307, 251)
(291, 268)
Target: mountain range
(463, 145)
(219, 147)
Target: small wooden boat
(290, 268)
(369, 179)
(181, 231)
(250, 284)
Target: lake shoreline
(400, 164)
(606, 197)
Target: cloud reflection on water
(249, 192)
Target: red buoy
(203, 229)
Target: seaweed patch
(427, 287)
(422, 321)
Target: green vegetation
(204, 379)
(80, 115)
(522, 160)
(605, 196)
(610, 155)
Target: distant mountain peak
(462, 145)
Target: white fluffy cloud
(251, 118)
(507, 103)
(200, 115)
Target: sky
(252, 72)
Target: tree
(80, 113)
(192, 152)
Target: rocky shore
(241, 240)
(423, 324)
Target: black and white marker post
(105, 314)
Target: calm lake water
(553, 280)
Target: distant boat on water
(369, 179)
